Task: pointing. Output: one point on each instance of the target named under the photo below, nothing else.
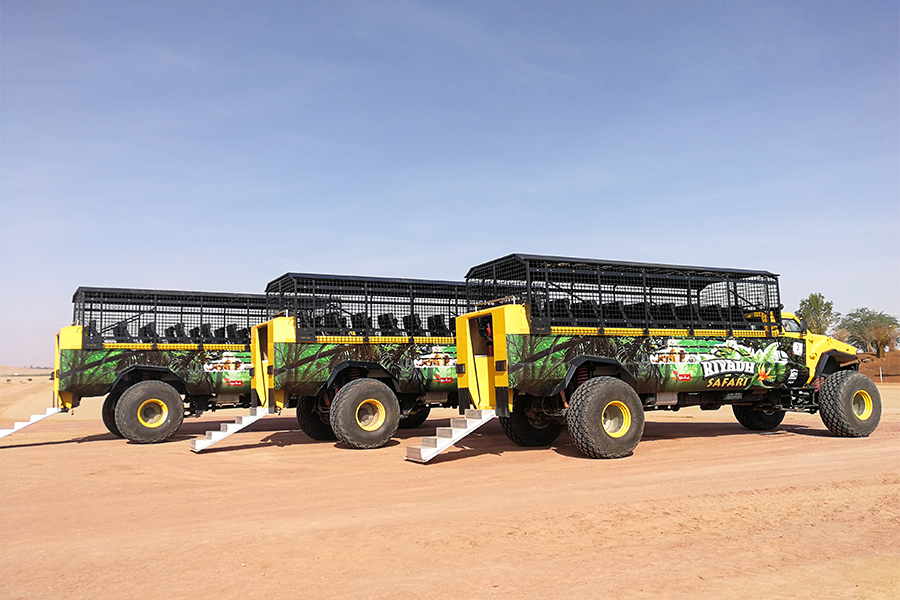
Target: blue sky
(216, 145)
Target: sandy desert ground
(703, 509)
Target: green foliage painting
(538, 363)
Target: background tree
(818, 312)
(869, 328)
(841, 335)
(884, 335)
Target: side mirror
(803, 327)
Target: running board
(227, 429)
(34, 419)
(447, 436)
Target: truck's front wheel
(606, 418)
(758, 420)
(149, 412)
(849, 404)
(365, 413)
(314, 421)
(528, 426)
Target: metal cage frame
(120, 315)
(341, 305)
(577, 292)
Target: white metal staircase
(34, 419)
(447, 436)
(227, 429)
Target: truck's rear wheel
(606, 418)
(758, 420)
(849, 404)
(108, 413)
(416, 417)
(529, 427)
(149, 412)
(365, 413)
(314, 422)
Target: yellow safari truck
(592, 345)
(357, 356)
(157, 356)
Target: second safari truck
(358, 356)
(591, 345)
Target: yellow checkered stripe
(381, 339)
(635, 332)
(127, 346)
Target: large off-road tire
(606, 418)
(108, 413)
(758, 420)
(313, 421)
(849, 404)
(365, 413)
(527, 427)
(416, 417)
(149, 412)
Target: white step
(31, 421)
(227, 429)
(445, 437)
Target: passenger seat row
(387, 324)
(590, 313)
(175, 334)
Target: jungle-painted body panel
(304, 368)
(91, 372)
(538, 363)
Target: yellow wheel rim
(616, 419)
(152, 413)
(370, 414)
(862, 405)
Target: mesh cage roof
(516, 266)
(577, 292)
(343, 304)
(167, 316)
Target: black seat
(361, 322)
(586, 313)
(387, 323)
(195, 334)
(231, 332)
(304, 320)
(636, 313)
(436, 325)
(333, 322)
(613, 314)
(91, 329)
(559, 309)
(413, 324)
(147, 333)
(663, 315)
(711, 316)
(206, 331)
(120, 331)
(220, 333)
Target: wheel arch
(134, 374)
(609, 366)
(338, 375)
(832, 361)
